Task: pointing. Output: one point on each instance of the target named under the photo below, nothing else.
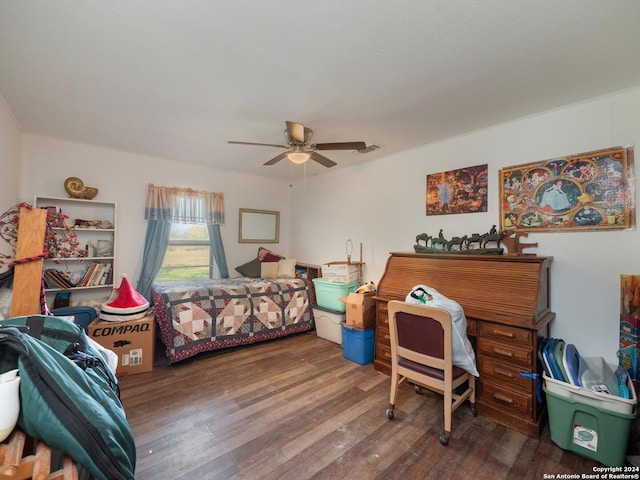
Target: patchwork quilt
(202, 315)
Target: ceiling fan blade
(340, 146)
(276, 159)
(260, 144)
(322, 160)
(296, 132)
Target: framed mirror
(259, 226)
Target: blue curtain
(155, 246)
(217, 248)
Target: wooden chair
(421, 352)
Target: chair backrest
(421, 334)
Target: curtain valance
(184, 205)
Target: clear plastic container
(596, 375)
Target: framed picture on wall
(587, 191)
(458, 191)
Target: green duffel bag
(68, 397)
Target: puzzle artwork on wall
(458, 191)
(588, 191)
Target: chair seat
(429, 371)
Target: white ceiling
(178, 78)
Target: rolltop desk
(506, 302)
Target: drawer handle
(504, 334)
(500, 351)
(387, 337)
(503, 398)
(504, 373)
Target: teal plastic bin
(328, 293)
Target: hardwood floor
(295, 409)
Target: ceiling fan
(300, 149)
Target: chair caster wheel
(390, 414)
(444, 440)
(417, 389)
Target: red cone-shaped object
(124, 304)
(127, 296)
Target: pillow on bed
(266, 255)
(287, 268)
(269, 269)
(250, 269)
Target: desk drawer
(505, 399)
(505, 333)
(382, 315)
(383, 337)
(383, 353)
(504, 373)
(506, 352)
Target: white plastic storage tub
(328, 324)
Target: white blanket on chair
(463, 354)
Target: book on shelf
(83, 282)
(88, 274)
(56, 279)
(97, 274)
(50, 280)
(105, 274)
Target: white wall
(9, 157)
(382, 205)
(123, 177)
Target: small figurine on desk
(514, 246)
(474, 244)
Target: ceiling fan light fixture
(300, 149)
(298, 157)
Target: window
(188, 255)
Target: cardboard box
(341, 272)
(629, 351)
(360, 310)
(132, 341)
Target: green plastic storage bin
(590, 431)
(328, 293)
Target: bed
(197, 316)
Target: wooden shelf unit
(85, 210)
